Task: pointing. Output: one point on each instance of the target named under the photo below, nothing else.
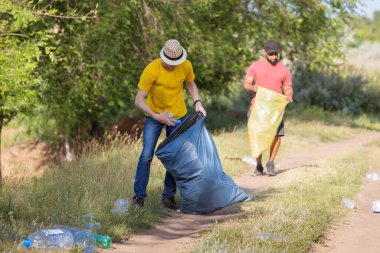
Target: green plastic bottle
(102, 241)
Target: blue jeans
(152, 130)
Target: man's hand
(199, 108)
(163, 117)
(290, 100)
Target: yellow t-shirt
(165, 88)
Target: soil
(359, 231)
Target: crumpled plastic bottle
(120, 207)
(89, 222)
(251, 161)
(50, 239)
(269, 236)
(349, 203)
(372, 176)
(376, 206)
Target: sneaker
(259, 171)
(138, 201)
(170, 203)
(270, 168)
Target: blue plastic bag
(190, 155)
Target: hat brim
(272, 51)
(171, 62)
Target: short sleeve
(287, 78)
(189, 72)
(251, 71)
(147, 79)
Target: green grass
(104, 173)
(296, 210)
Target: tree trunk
(1, 129)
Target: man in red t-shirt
(270, 73)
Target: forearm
(193, 90)
(288, 92)
(141, 105)
(249, 86)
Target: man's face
(272, 57)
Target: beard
(273, 62)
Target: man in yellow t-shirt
(162, 81)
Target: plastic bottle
(373, 176)
(50, 239)
(275, 237)
(102, 241)
(82, 238)
(249, 160)
(376, 206)
(89, 222)
(348, 203)
(175, 121)
(120, 207)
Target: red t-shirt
(269, 76)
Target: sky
(370, 8)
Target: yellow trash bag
(266, 115)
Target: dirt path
(176, 232)
(360, 231)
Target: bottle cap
(27, 243)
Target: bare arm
(193, 90)
(249, 86)
(142, 106)
(288, 92)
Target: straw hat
(172, 53)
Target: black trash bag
(190, 155)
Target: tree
(100, 60)
(21, 47)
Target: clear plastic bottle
(275, 237)
(90, 223)
(82, 238)
(50, 239)
(348, 203)
(376, 206)
(249, 160)
(120, 207)
(102, 241)
(373, 176)
(174, 120)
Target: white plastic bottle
(349, 203)
(50, 239)
(120, 207)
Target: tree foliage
(367, 29)
(22, 43)
(21, 46)
(100, 59)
